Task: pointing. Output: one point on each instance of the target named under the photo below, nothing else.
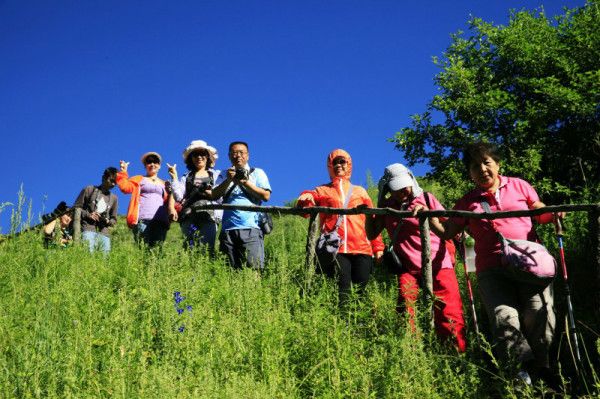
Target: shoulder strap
(228, 193)
(486, 206)
(189, 182)
(401, 222)
(346, 201)
(426, 195)
(251, 197)
(397, 230)
(248, 194)
(191, 189)
(111, 200)
(94, 198)
(190, 177)
(348, 194)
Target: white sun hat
(197, 145)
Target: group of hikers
(156, 203)
(521, 314)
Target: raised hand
(419, 208)
(172, 169)
(123, 165)
(307, 197)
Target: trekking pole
(571, 318)
(463, 258)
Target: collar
(484, 193)
(503, 181)
(103, 190)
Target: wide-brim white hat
(199, 144)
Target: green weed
(75, 324)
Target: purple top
(152, 204)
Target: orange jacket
(352, 227)
(132, 186)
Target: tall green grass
(74, 324)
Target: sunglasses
(200, 154)
(151, 160)
(340, 161)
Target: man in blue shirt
(241, 238)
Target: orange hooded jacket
(132, 186)
(352, 227)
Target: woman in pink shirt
(406, 194)
(521, 314)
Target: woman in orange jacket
(354, 260)
(147, 215)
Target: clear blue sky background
(84, 84)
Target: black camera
(202, 190)
(105, 218)
(241, 174)
(203, 187)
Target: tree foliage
(533, 87)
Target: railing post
(426, 268)
(77, 224)
(311, 241)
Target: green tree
(533, 87)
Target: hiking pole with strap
(572, 333)
(463, 256)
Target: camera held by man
(104, 219)
(241, 174)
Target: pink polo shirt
(408, 242)
(513, 194)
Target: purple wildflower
(177, 297)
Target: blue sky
(84, 84)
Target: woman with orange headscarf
(354, 260)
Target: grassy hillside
(79, 325)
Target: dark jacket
(87, 201)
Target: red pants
(448, 310)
